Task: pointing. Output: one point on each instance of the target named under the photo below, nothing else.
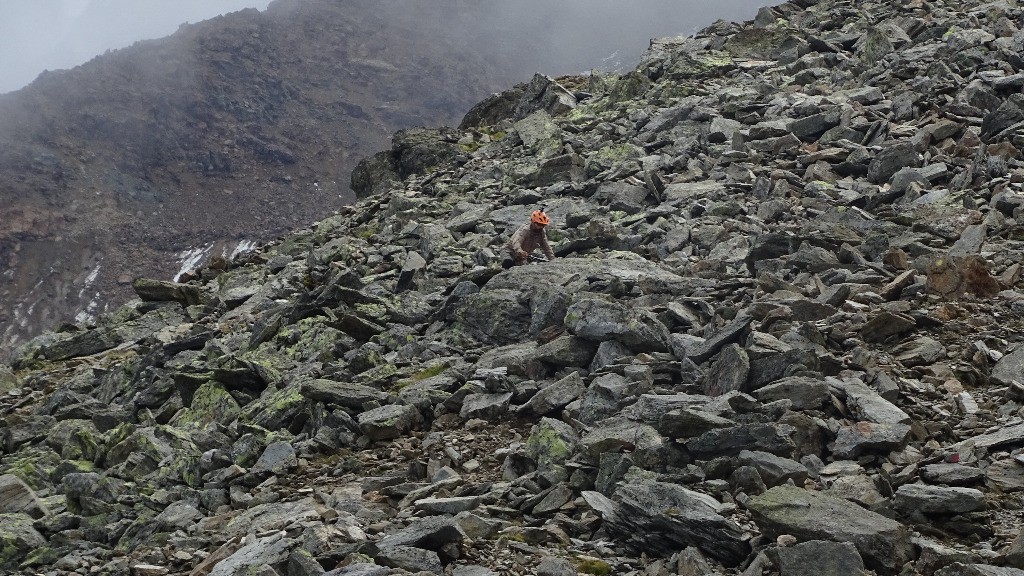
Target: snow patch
(190, 259)
(242, 247)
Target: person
(529, 237)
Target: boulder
(660, 518)
(820, 558)
(884, 544)
(389, 421)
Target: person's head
(538, 220)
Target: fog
(38, 35)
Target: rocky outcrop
(759, 351)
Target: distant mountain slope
(236, 128)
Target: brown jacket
(525, 241)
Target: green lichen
(429, 372)
(366, 231)
(592, 566)
(373, 311)
(42, 556)
(470, 147)
(547, 447)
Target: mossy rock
(550, 444)
(17, 539)
(629, 87)
(211, 403)
(76, 439)
(593, 566)
(276, 409)
(8, 380)
(610, 156)
(35, 467)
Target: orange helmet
(539, 217)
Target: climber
(529, 237)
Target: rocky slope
(231, 131)
(782, 336)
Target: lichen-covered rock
(17, 538)
(389, 421)
(883, 543)
(660, 518)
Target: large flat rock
(883, 543)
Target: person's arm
(546, 247)
(515, 244)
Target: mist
(554, 37)
(38, 35)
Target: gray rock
(689, 423)
(543, 93)
(485, 406)
(921, 351)
(159, 290)
(775, 439)
(952, 474)
(597, 319)
(1009, 368)
(360, 569)
(619, 434)
(553, 500)
(608, 353)
(722, 129)
(473, 571)
(938, 499)
(958, 569)
(659, 518)
(1005, 475)
(884, 544)
(772, 469)
(345, 394)
(260, 552)
(728, 372)
(17, 538)
(567, 350)
(866, 403)
(601, 399)
(429, 533)
(276, 459)
(813, 126)
(864, 437)
(177, 516)
(612, 468)
(389, 421)
(550, 444)
(886, 325)
(729, 334)
(555, 396)
(450, 506)
(410, 558)
(16, 496)
(552, 566)
(1006, 435)
(860, 489)
(805, 393)
(820, 558)
(650, 408)
(1015, 555)
(1009, 113)
(891, 159)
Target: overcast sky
(37, 35)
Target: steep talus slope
(782, 336)
(235, 129)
